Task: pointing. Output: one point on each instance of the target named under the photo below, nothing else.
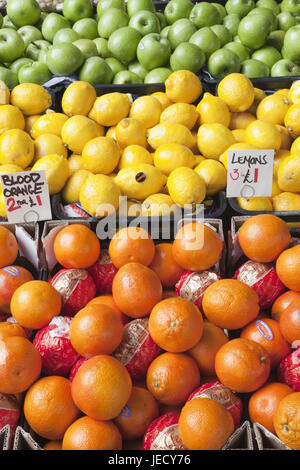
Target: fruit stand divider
(265, 440)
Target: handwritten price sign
(249, 173)
(26, 196)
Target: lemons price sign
(26, 196)
(249, 173)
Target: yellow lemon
(239, 135)
(286, 201)
(11, 118)
(214, 139)
(183, 86)
(46, 144)
(99, 195)
(49, 123)
(295, 147)
(212, 110)
(255, 203)
(16, 147)
(71, 190)
(289, 174)
(3, 212)
(140, 181)
(78, 98)
(110, 108)
(278, 159)
(129, 131)
(275, 188)
(240, 120)
(237, 91)
(29, 122)
(186, 187)
(237, 146)
(258, 96)
(9, 168)
(4, 93)
(162, 98)
(292, 120)
(213, 174)
(78, 130)
(285, 137)
(167, 157)
(134, 209)
(146, 109)
(134, 154)
(169, 132)
(30, 98)
(57, 171)
(294, 92)
(76, 162)
(101, 155)
(111, 133)
(159, 205)
(263, 135)
(273, 108)
(284, 92)
(181, 113)
(198, 159)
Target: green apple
(177, 9)
(221, 9)
(40, 22)
(102, 47)
(268, 13)
(29, 34)
(207, 40)
(165, 32)
(34, 48)
(285, 67)
(64, 59)
(222, 32)
(86, 28)
(253, 68)
(290, 44)
(239, 7)
(87, 47)
(290, 5)
(110, 21)
(181, 31)
(133, 6)
(17, 64)
(65, 35)
(286, 20)
(268, 55)
(11, 45)
(205, 14)
(75, 10)
(297, 19)
(103, 5)
(9, 77)
(115, 65)
(162, 19)
(138, 69)
(231, 22)
(253, 30)
(187, 56)
(272, 4)
(53, 23)
(123, 44)
(124, 77)
(153, 51)
(275, 39)
(238, 48)
(95, 70)
(145, 22)
(223, 62)
(43, 56)
(1, 20)
(158, 75)
(8, 24)
(34, 73)
(23, 12)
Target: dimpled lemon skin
(49, 123)
(111, 108)
(130, 131)
(237, 91)
(214, 175)
(99, 195)
(76, 162)
(214, 139)
(158, 205)
(212, 110)
(78, 130)
(289, 174)
(286, 201)
(140, 181)
(167, 157)
(11, 118)
(292, 120)
(170, 132)
(71, 190)
(56, 168)
(47, 144)
(183, 86)
(78, 98)
(16, 147)
(31, 98)
(255, 203)
(182, 113)
(146, 109)
(273, 108)
(133, 155)
(101, 155)
(263, 135)
(186, 187)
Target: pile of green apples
(130, 42)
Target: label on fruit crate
(26, 196)
(249, 173)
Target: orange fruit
(96, 329)
(88, 434)
(263, 237)
(20, 364)
(266, 332)
(171, 377)
(109, 301)
(131, 245)
(49, 408)
(136, 289)
(53, 445)
(35, 303)
(76, 246)
(281, 303)
(175, 324)
(264, 402)
(11, 329)
(204, 352)
(164, 265)
(8, 247)
(288, 268)
(290, 321)
(11, 277)
(287, 420)
(242, 365)
(101, 387)
(196, 247)
(230, 304)
(205, 424)
(140, 410)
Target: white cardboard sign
(249, 173)
(26, 196)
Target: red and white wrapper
(263, 279)
(103, 273)
(218, 392)
(137, 349)
(193, 284)
(28, 331)
(288, 371)
(54, 345)
(163, 434)
(9, 413)
(75, 210)
(76, 287)
(76, 367)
